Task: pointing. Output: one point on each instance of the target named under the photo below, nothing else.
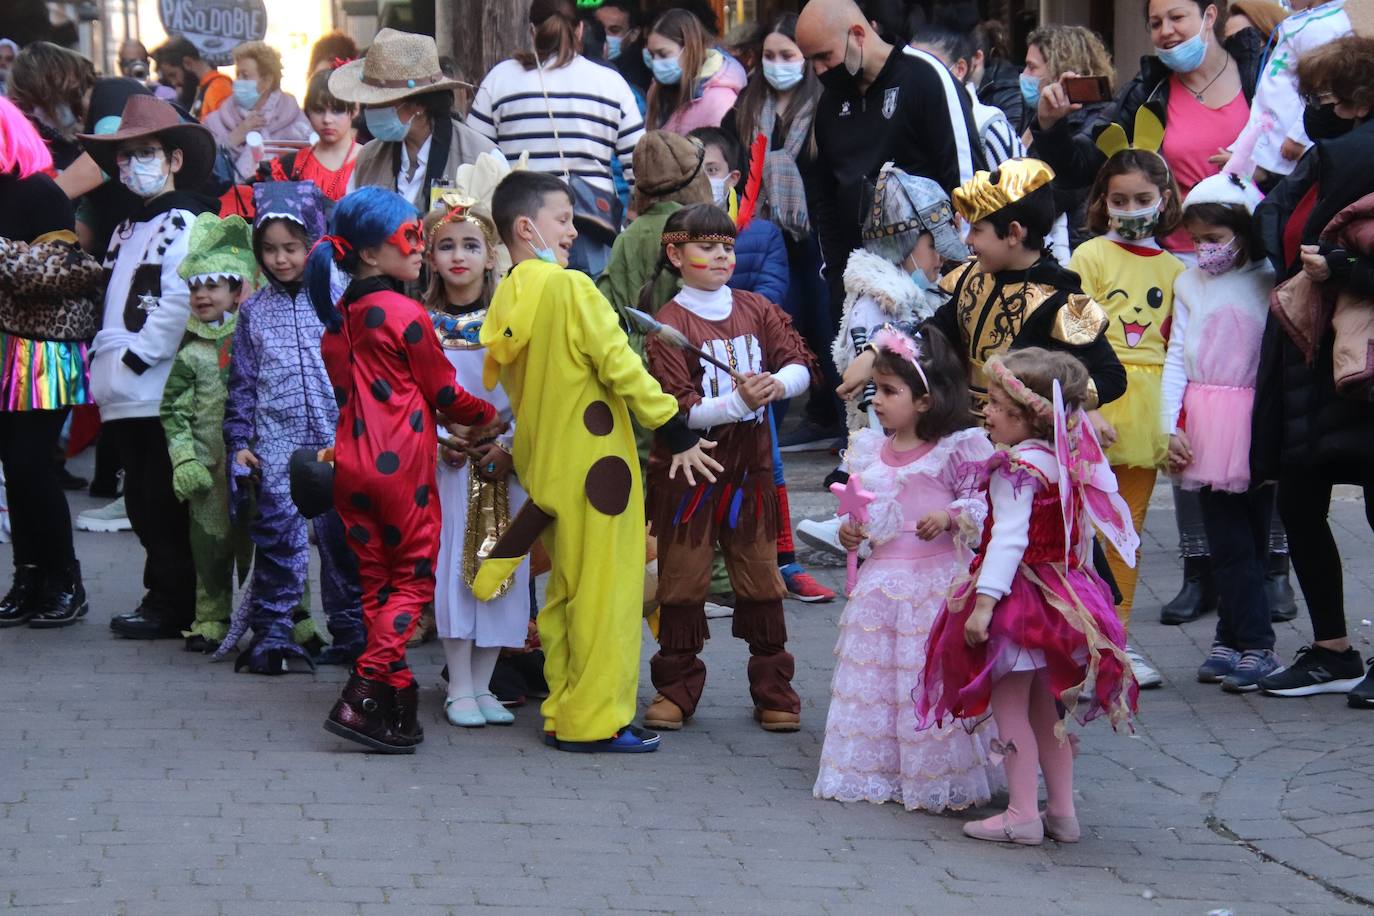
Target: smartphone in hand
(1086, 89)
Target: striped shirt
(593, 107)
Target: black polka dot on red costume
(388, 462)
(340, 396)
(374, 317)
(400, 622)
(391, 535)
(384, 594)
(360, 501)
(422, 495)
(381, 389)
(359, 534)
(447, 395)
(413, 333)
(424, 569)
(359, 427)
(417, 421)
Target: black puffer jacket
(1300, 422)
(1001, 88)
(1070, 147)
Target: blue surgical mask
(923, 283)
(667, 70)
(784, 75)
(1186, 56)
(613, 47)
(246, 93)
(146, 179)
(545, 253)
(385, 124)
(1030, 91)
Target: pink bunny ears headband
(903, 345)
(1035, 403)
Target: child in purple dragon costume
(280, 400)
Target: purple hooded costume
(280, 399)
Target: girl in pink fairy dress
(926, 501)
(1032, 625)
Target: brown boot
(663, 714)
(425, 630)
(366, 713)
(775, 720)
(407, 713)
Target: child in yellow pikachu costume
(553, 342)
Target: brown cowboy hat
(398, 65)
(149, 116)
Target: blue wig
(364, 219)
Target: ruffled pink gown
(1058, 618)
(872, 750)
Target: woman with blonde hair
(259, 106)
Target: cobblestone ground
(137, 779)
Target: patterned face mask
(1135, 225)
(1216, 258)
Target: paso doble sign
(215, 27)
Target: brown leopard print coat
(49, 289)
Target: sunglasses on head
(408, 239)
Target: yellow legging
(1136, 485)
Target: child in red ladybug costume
(390, 377)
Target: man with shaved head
(878, 105)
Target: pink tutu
(1217, 421)
(1064, 616)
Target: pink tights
(1026, 715)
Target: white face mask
(145, 179)
(720, 190)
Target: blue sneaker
(629, 740)
(1254, 666)
(1218, 664)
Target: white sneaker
(716, 611)
(1147, 677)
(822, 535)
(109, 517)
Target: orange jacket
(214, 90)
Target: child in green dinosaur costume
(220, 270)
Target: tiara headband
(908, 348)
(459, 210)
(1013, 386)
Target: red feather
(757, 153)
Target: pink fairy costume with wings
(1053, 613)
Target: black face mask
(840, 79)
(1322, 123)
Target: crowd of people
(460, 342)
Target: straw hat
(398, 65)
(149, 116)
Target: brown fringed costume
(739, 511)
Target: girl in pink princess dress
(925, 483)
(1032, 625)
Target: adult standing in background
(200, 87)
(572, 116)
(408, 107)
(695, 84)
(259, 106)
(877, 105)
(52, 86)
(624, 25)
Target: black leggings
(1304, 504)
(40, 521)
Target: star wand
(854, 502)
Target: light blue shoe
(493, 711)
(461, 717)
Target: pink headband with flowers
(903, 345)
(1035, 403)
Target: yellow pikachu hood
(510, 320)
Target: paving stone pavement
(137, 779)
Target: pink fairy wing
(1063, 453)
(1101, 496)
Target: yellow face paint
(698, 263)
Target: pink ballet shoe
(1000, 829)
(1061, 829)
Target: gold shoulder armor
(1080, 321)
(950, 281)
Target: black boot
(407, 713)
(1197, 596)
(64, 600)
(1283, 604)
(366, 713)
(23, 599)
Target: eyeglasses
(1320, 99)
(146, 155)
(408, 238)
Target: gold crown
(987, 192)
